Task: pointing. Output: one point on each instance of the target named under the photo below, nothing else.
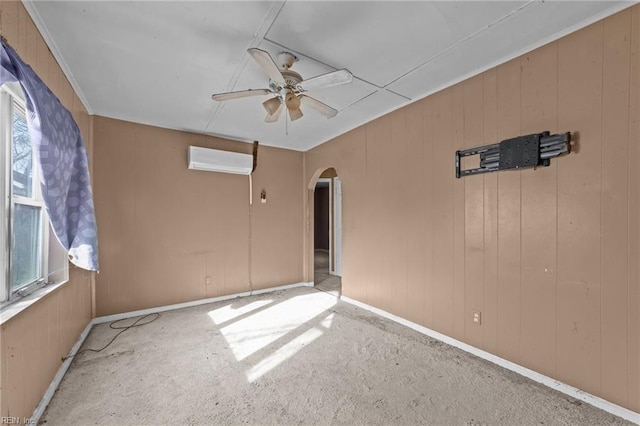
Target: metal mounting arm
(517, 153)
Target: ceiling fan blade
(295, 113)
(239, 94)
(272, 118)
(269, 67)
(323, 109)
(331, 79)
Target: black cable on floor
(112, 325)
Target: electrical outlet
(477, 318)
(207, 280)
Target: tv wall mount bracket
(521, 152)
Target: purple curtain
(62, 161)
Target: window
(31, 255)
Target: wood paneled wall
(549, 256)
(33, 343)
(163, 229)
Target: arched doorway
(326, 232)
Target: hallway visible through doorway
(321, 277)
(327, 233)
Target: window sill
(13, 308)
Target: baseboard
(46, 398)
(130, 314)
(571, 391)
(42, 405)
(282, 287)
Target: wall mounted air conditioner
(214, 160)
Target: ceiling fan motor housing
(291, 78)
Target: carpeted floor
(299, 356)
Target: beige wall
(550, 256)
(163, 228)
(33, 343)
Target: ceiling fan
(288, 86)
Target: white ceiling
(158, 62)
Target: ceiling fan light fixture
(272, 118)
(271, 105)
(295, 114)
(292, 101)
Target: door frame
(335, 222)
